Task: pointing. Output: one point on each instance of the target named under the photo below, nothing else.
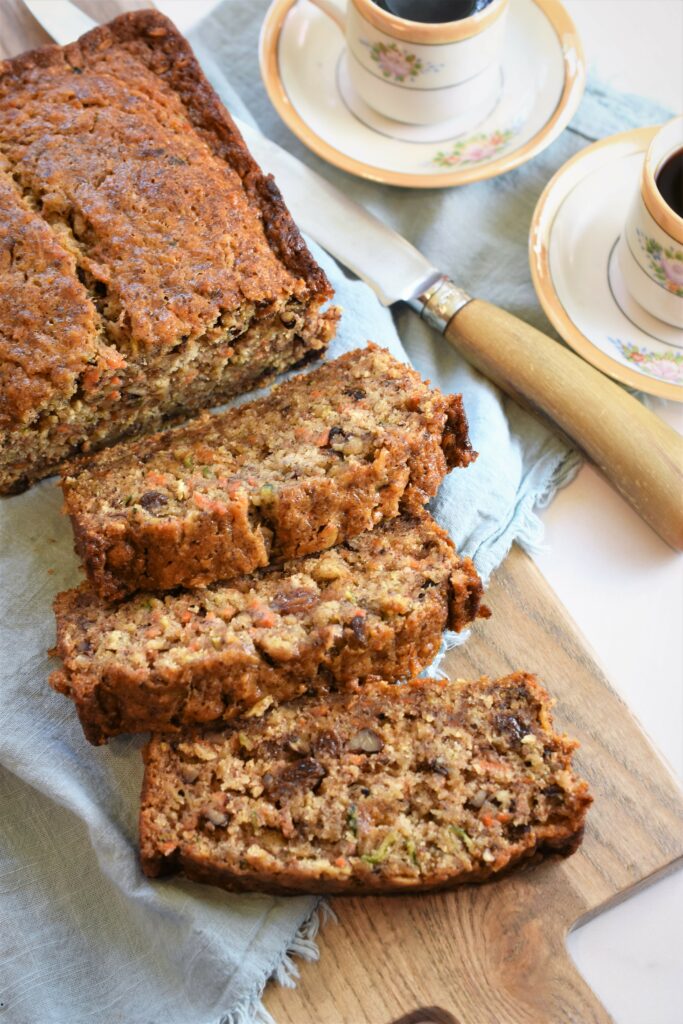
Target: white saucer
(303, 54)
(572, 245)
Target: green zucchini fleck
(379, 855)
(463, 837)
(412, 852)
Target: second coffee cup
(650, 250)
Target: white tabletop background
(621, 584)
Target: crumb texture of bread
(148, 269)
(375, 606)
(325, 456)
(392, 788)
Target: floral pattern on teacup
(476, 149)
(395, 62)
(666, 264)
(667, 365)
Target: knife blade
(61, 19)
(332, 219)
(640, 454)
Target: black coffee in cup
(433, 10)
(669, 181)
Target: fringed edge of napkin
(285, 971)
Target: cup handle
(332, 10)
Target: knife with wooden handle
(641, 455)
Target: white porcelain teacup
(650, 251)
(423, 73)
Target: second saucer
(573, 246)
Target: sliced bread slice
(322, 458)
(376, 605)
(394, 788)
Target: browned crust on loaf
(561, 834)
(466, 597)
(456, 439)
(353, 643)
(206, 112)
(129, 552)
(112, 328)
(290, 883)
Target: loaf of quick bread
(393, 788)
(148, 269)
(376, 605)
(322, 458)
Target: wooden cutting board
(496, 953)
(491, 954)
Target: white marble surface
(623, 586)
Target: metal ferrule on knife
(439, 303)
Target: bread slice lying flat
(376, 605)
(393, 788)
(323, 457)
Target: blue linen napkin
(83, 935)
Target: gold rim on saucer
(634, 141)
(574, 81)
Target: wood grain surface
(496, 953)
